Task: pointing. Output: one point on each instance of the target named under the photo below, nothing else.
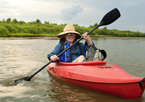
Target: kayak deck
(95, 71)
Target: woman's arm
(54, 53)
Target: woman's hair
(62, 40)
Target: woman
(74, 54)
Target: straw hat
(69, 29)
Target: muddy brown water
(20, 57)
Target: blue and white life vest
(66, 57)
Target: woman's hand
(54, 58)
(86, 36)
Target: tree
(14, 20)
(46, 22)
(21, 22)
(96, 24)
(32, 22)
(92, 26)
(8, 20)
(105, 28)
(3, 21)
(38, 21)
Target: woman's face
(70, 37)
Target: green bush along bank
(14, 28)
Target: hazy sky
(81, 12)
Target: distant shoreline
(53, 37)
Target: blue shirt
(75, 51)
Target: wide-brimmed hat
(69, 29)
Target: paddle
(107, 19)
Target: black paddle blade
(20, 80)
(110, 17)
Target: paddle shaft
(40, 69)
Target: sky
(81, 12)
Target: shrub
(34, 29)
(3, 31)
(10, 28)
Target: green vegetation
(14, 28)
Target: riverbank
(54, 37)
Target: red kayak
(96, 75)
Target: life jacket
(66, 57)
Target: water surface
(20, 57)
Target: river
(20, 57)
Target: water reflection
(68, 92)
